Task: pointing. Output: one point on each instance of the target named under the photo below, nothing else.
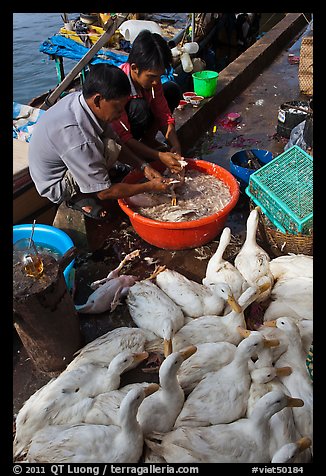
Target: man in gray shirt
(73, 147)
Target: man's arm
(124, 190)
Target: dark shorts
(139, 114)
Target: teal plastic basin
(52, 236)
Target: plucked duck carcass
(85, 443)
(222, 396)
(252, 261)
(109, 291)
(196, 299)
(243, 441)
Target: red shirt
(158, 106)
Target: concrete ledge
(191, 124)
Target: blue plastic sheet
(24, 120)
(60, 46)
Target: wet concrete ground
(258, 106)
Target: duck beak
(153, 387)
(140, 356)
(243, 332)
(270, 323)
(294, 402)
(263, 287)
(283, 371)
(304, 443)
(167, 347)
(188, 352)
(234, 305)
(271, 342)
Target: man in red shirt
(148, 111)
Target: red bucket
(182, 235)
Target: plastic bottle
(186, 62)
(191, 48)
(130, 28)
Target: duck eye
(126, 360)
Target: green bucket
(205, 83)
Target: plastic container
(196, 100)
(205, 83)
(186, 63)
(182, 235)
(131, 28)
(283, 189)
(187, 95)
(51, 236)
(288, 117)
(239, 162)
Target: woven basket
(284, 242)
(306, 66)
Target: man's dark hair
(107, 80)
(150, 51)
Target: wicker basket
(284, 243)
(305, 74)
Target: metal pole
(193, 27)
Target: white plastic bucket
(130, 28)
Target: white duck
(103, 349)
(291, 452)
(291, 297)
(216, 328)
(69, 397)
(252, 261)
(283, 429)
(243, 441)
(268, 355)
(292, 266)
(110, 290)
(298, 382)
(196, 299)
(222, 396)
(84, 443)
(160, 413)
(220, 270)
(210, 357)
(151, 309)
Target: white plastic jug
(130, 28)
(186, 62)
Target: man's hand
(171, 160)
(159, 185)
(151, 173)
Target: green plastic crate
(283, 189)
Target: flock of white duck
(225, 393)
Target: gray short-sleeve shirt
(69, 136)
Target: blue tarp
(61, 46)
(24, 120)
(67, 48)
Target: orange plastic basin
(182, 235)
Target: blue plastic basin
(240, 159)
(51, 236)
